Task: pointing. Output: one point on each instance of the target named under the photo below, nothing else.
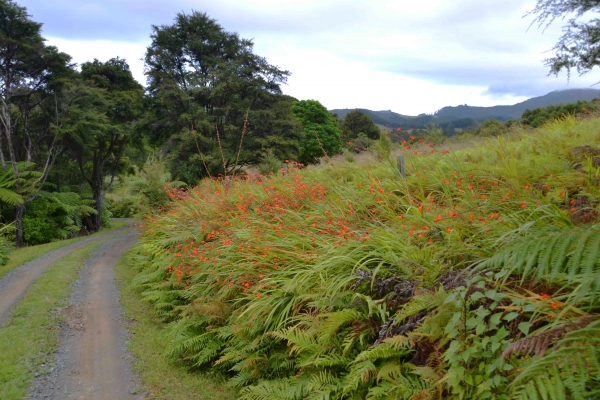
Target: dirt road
(92, 360)
(14, 285)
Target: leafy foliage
(31, 79)
(321, 131)
(578, 47)
(539, 116)
(491, 127)
(56, 215)
(357, 122)
(209, 94)
(465, 279)
(105, 105)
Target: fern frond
(281, 389)
(540, 342)
(360, 373)
(551, 252)
(336, 319)
(570, 369)
(382, 351)
(424, 301)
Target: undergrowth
(476, 276)
(161, 380)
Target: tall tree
(30, 88)
(209, 92)
(106, 102)
(357, 122)
(321, 131)
(579, 46)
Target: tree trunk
(20, 233)
(97, 219)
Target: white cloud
(411, 57)
(341, 83)
(103, 50)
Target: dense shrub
(57, 215)
(539, 116)
(491, 127)
(5, 247)
(38, 230)
(322, 136)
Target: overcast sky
(408, 56)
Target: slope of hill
(465, 116)
(516, 111)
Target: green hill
(465, 116)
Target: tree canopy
(579, 46)
(321, 131)
(357, 122)
(105, 103)
(30, 86)
(210, 94)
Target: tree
(209, 95)
(433, 133)
(321, 132)
(491, 127)
(579, 46)
(539, 116)
(106, 103)
(30, 92)
(357, 122)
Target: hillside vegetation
(476, 276)
(468, 117)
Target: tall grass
(351, 281)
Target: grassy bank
(30, 336)
(161, 377)
(475, 276)
(23, 255)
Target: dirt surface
(92, 360)
(14, 285)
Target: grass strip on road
(18, 257)
(161, 378)
(30, 337)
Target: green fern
(570, 370)
(553, 252)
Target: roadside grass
(29, 338)
(160, 376)
(18, 257)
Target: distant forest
(466, 117)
